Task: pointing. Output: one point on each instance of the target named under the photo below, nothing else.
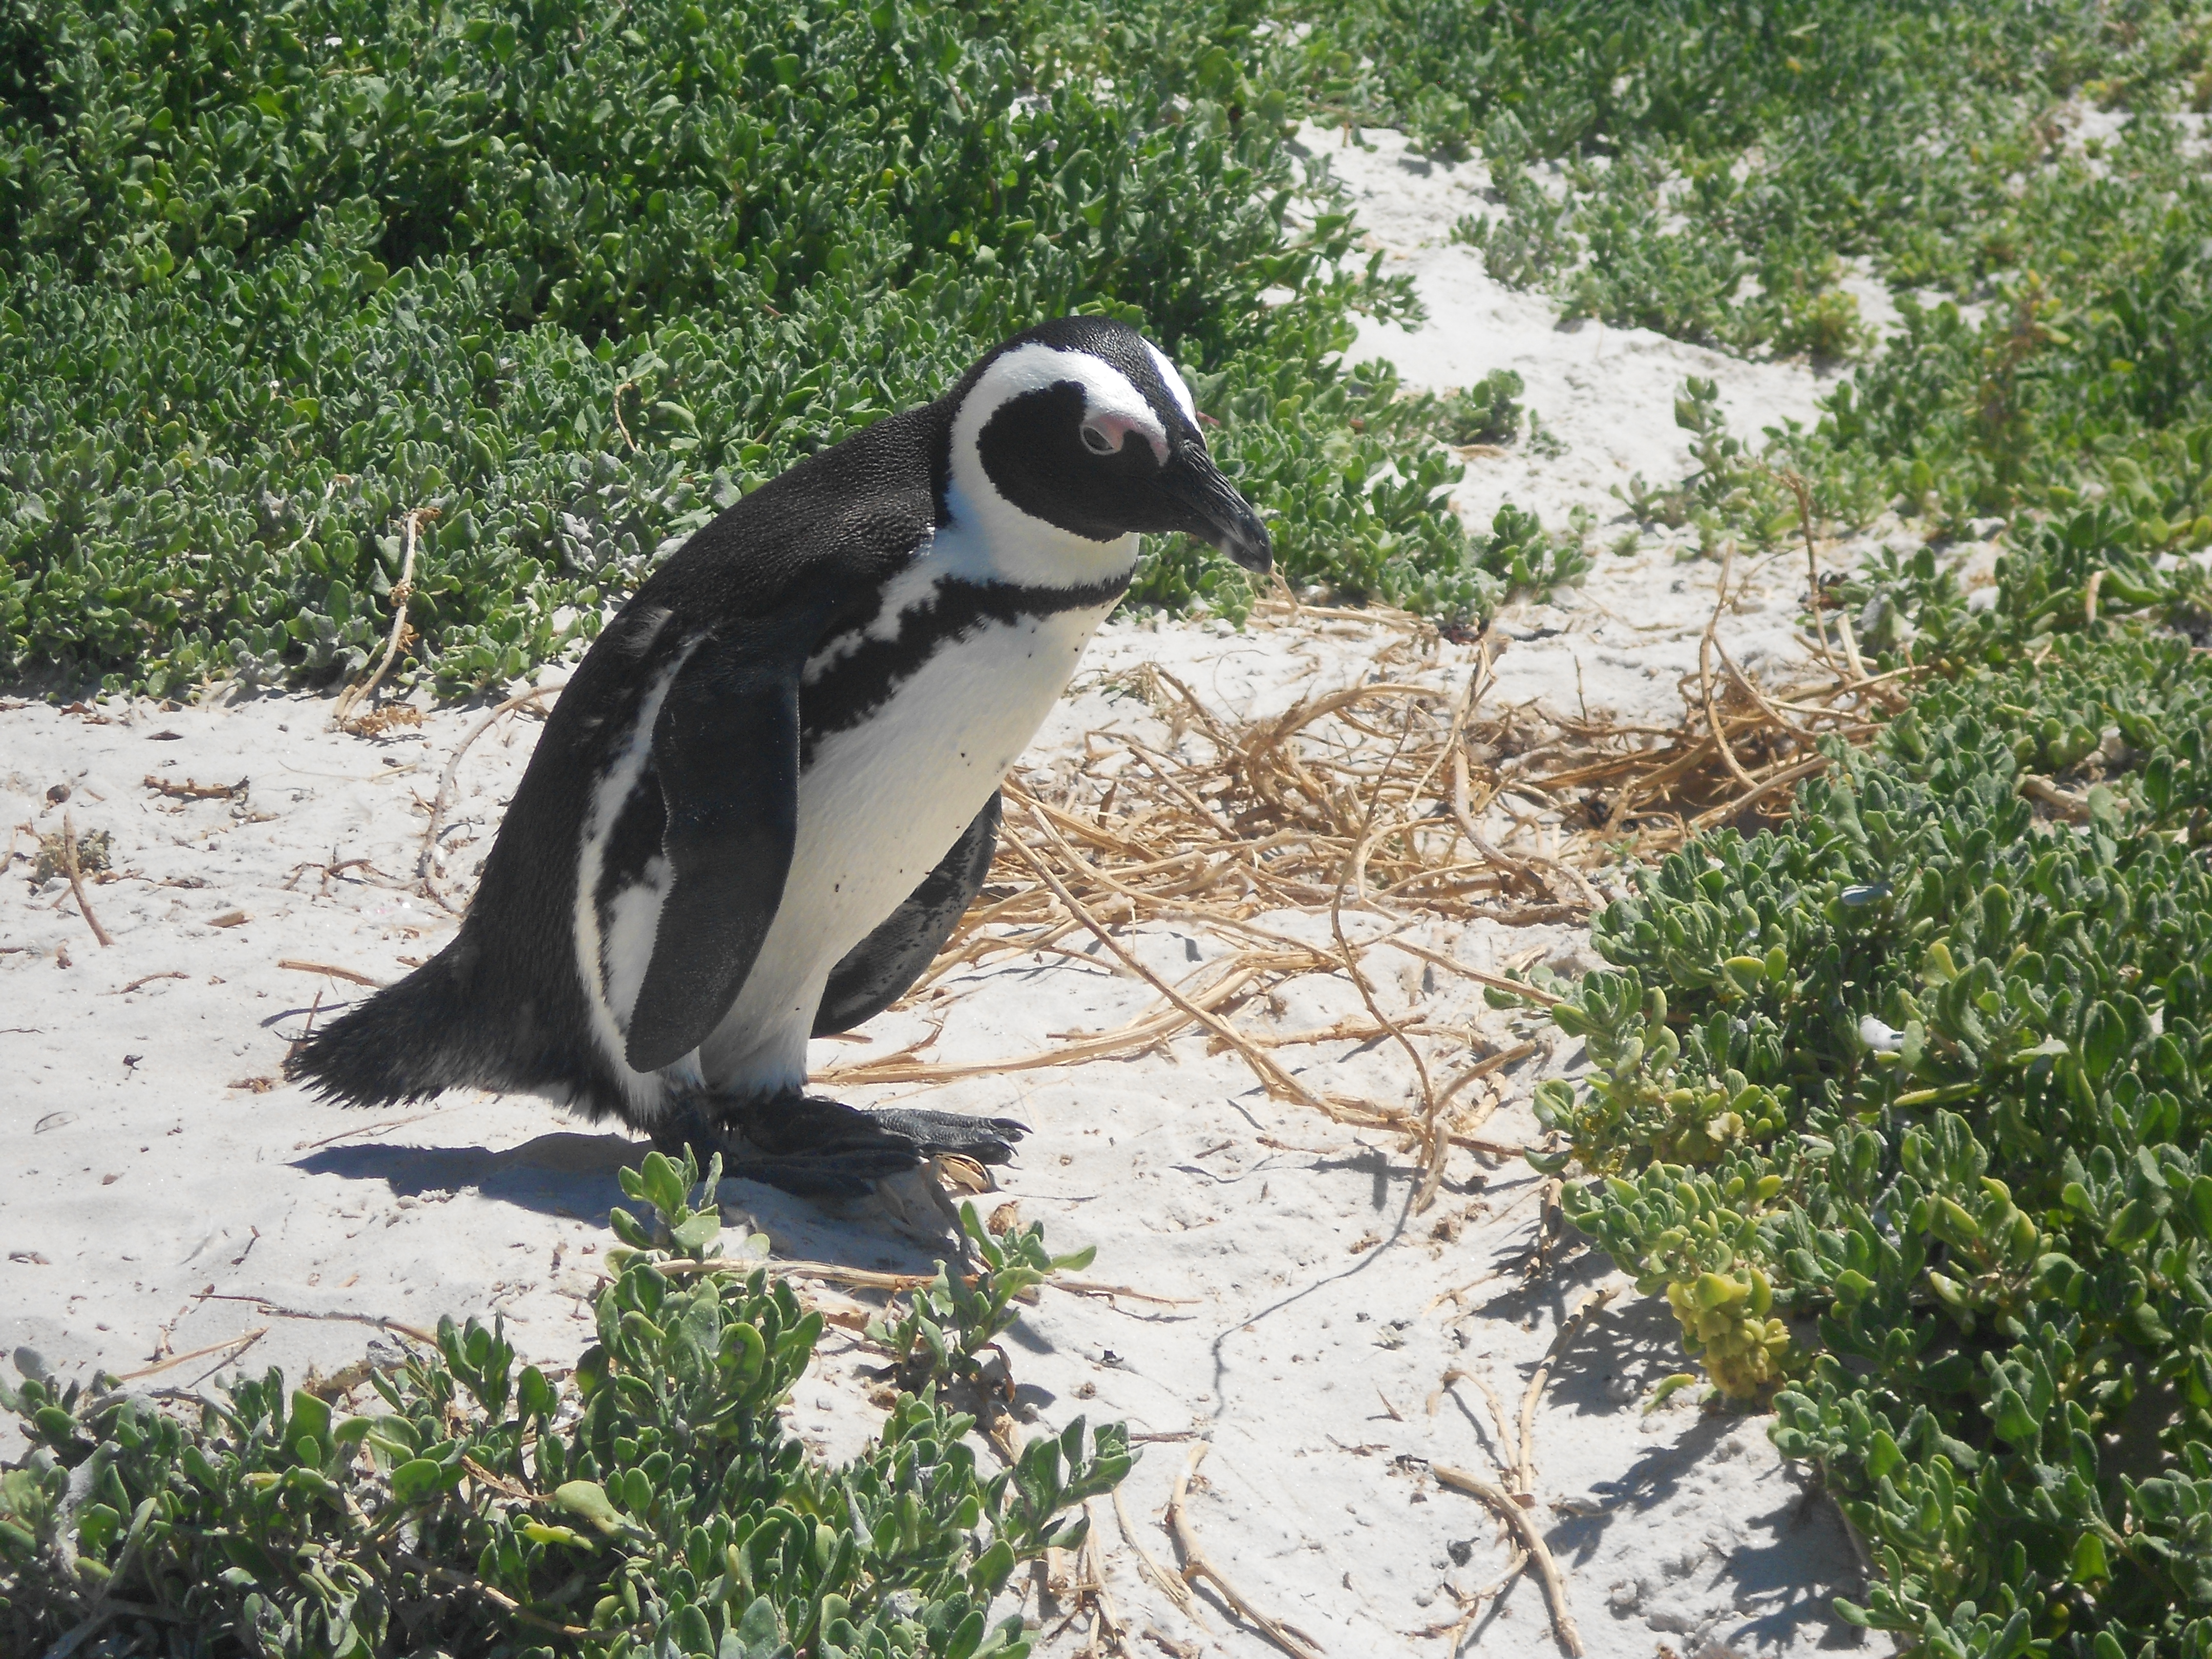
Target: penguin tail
(410, 1040)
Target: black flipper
(726, 749)
(877, 971)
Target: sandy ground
(162, 1192)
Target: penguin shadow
(574, 1176)
(562, 1174)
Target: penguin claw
(985, 1139)
(817, 1148)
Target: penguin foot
(818, 1148)
(985, 1139)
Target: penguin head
(1083, 428)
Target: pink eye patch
(1107, 431)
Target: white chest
(879, 804)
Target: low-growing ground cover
(1904, 1104)
(562, 281)
(1901, 1103)
(651, 1502)
(2029, 183)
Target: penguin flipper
(726, 750)
(876, 972)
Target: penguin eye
(1099, 442)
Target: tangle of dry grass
(1411, 798)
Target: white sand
(149, 1199)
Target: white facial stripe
(995, 540)
(1173, 381)
(1107, 392)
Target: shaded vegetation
(649, 1502)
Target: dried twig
(1133, 1038)
(1196, 1564)
(1107, 1624)
(1273, 1076)
(331, 969)
(1093, 1287)
(1512, 866)
(1795, 482)
(191, 789)
(1751, 690)
(76, 883)
(1850, 645)
(299, 1041)
(1456, 1629)
(1526, 1456)
(2075, 808)
(864, 1278)
(1782, 780)
(366, 1129)
(1453, 1296)
(1540, 1554)
(242, 1340)
(426, 860)
(1706, 670)
(1170, 1584)
(870, 1280)
(1430, 1107)
(410, 525)
(147, 979)
(375, 1322)
(1517, 1458)
(620, 425)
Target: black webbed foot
(985, 1139)
(818, 1148)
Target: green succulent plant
(649, 1502)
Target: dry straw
(1413, 799)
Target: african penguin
(771, 787)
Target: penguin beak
(1217, 512)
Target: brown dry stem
(1797, 485)
(1277, 1080)
(1196, 1564)
(1168, 1583)
(1109, 1631)
(1409, 799)
(353, 696)
(1513, 1494)
(330, 970)
(1705, 671)
(1523, 1527)
(244, 1339)
(192, 789)
(426, 860)
(76, 883)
